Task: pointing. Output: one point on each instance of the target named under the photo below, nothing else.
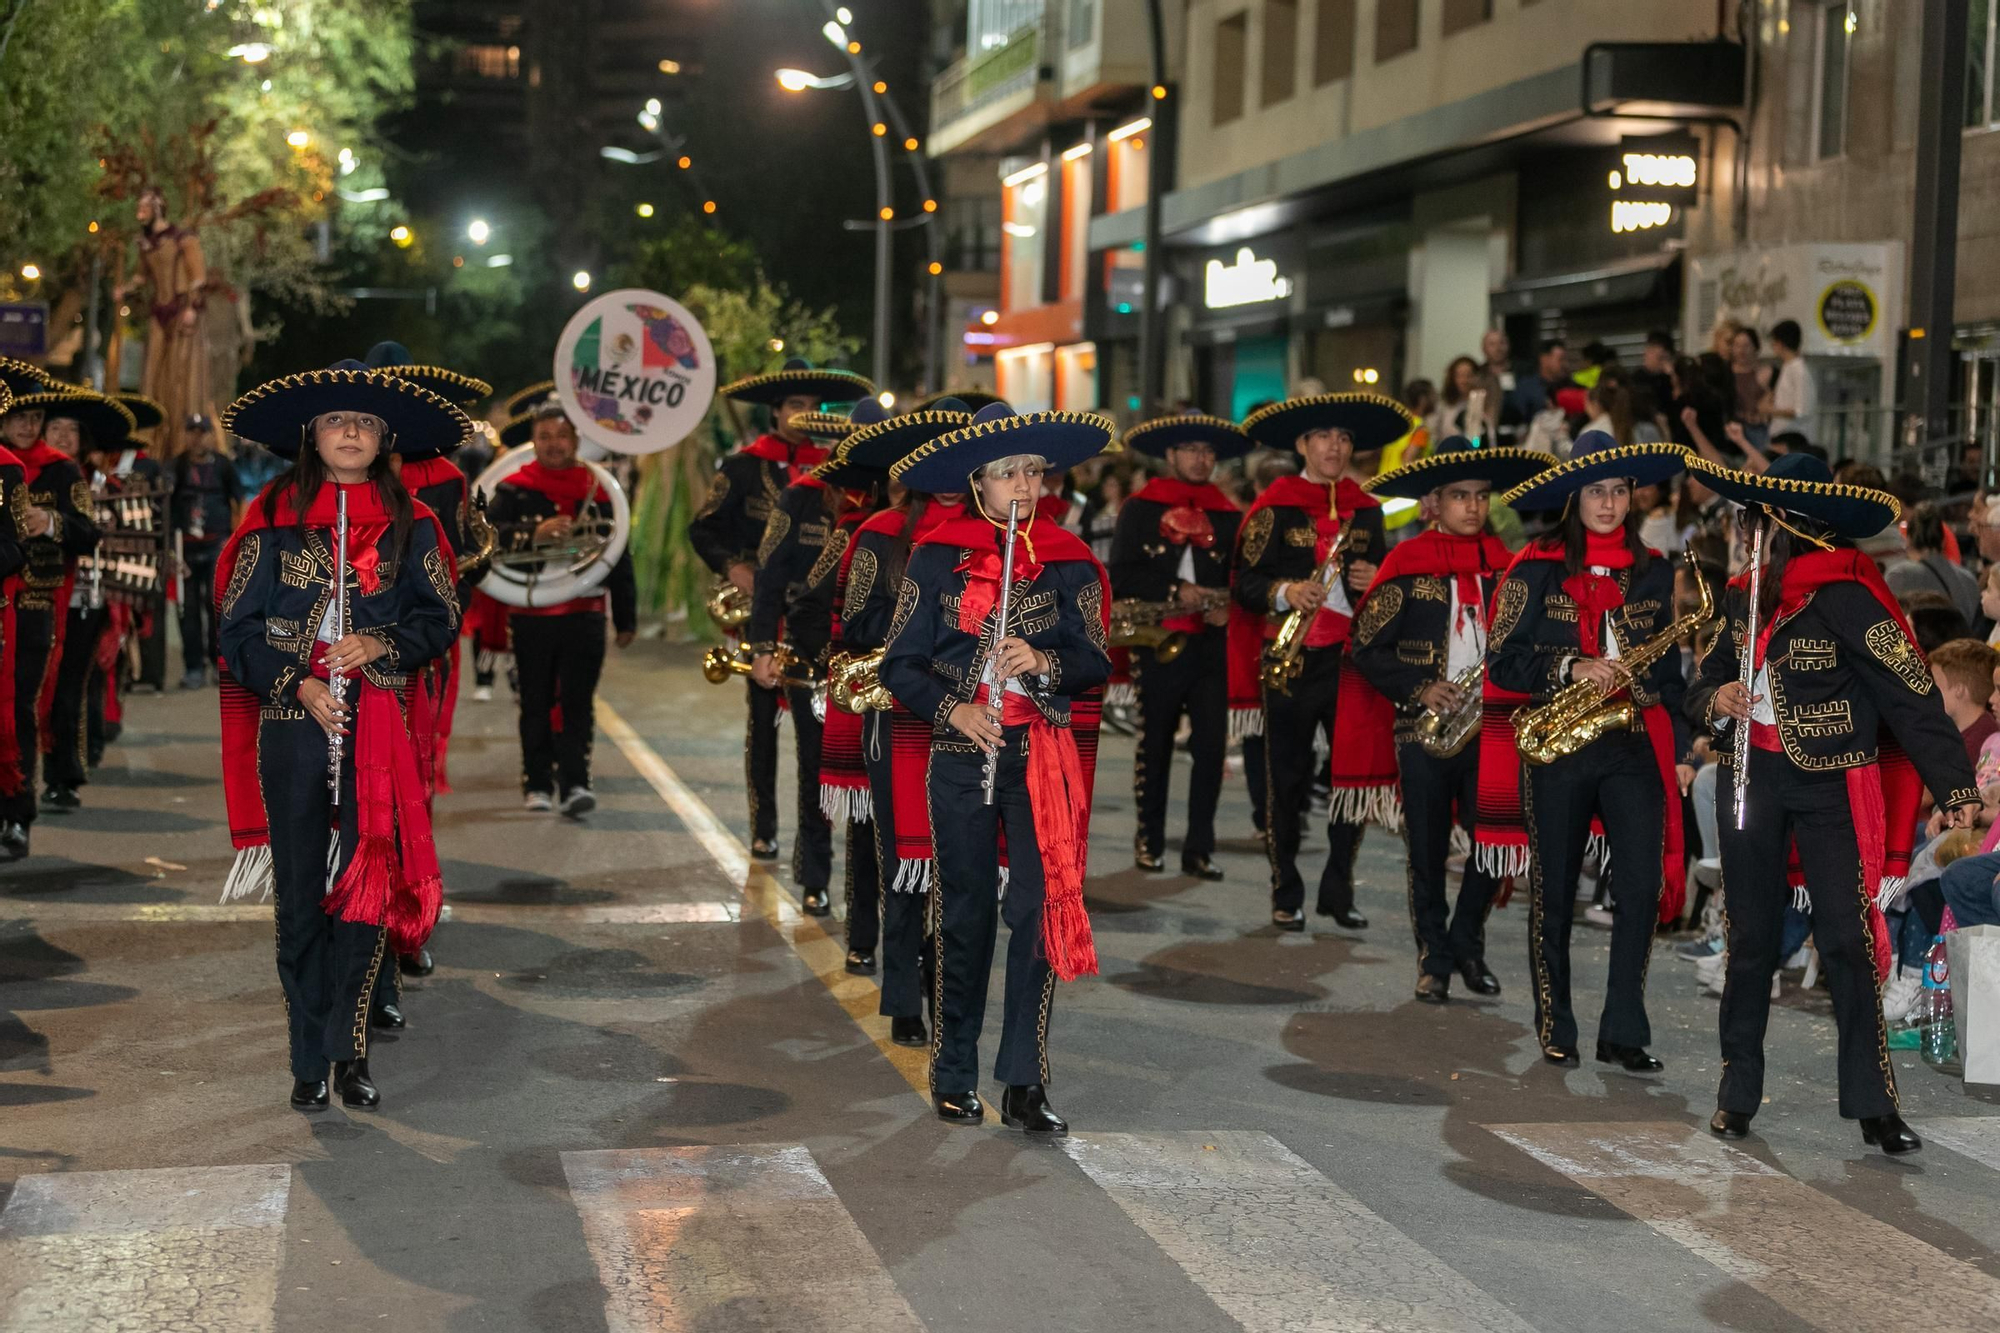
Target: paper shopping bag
(1973, 953)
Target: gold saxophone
(1578, 714)
(1444, 734)
(1284, 656)
(1137, 624)
(728, 605)
(854, 683)
(719, 664)
(484, 536)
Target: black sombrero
(1596, 457)
(946, 464)
(449, 385)
(105, 419)
(1153, 438)
(276, 415)
(799, 379)
(872, 450)
(840, 468)
(971, 400)
(829, 426)
(146, 413)
(1798, 483)
(1456, 460)
(19, 377)
(524, 400)
(1374, 421)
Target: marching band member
(1838, 687)
(134, 459)
(792, 599)
(1420, 639)
(559, 650)
(895, 743)
(1287, 538)
(16, 378)
(729, 529)
(1571, 605)
(957, 636)
(1172, 544)
(306, 694)
(56, 521)
(73, 426)
(485, 615)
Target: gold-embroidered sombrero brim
(1852, 511)
(1153, 438)
(822, 386)
(522, 399)
(146, 413)
(1374, 420)
(449, 385)
(945, 465)
(1641, 464)
(276, 415)
(107, 419)
(1504, 468)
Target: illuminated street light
(499, 261)
(644, 210)
(936, 268)
(250, 53)
(844, 14)
(298, 138)
(990, 318)
(580, 280)
(776, 344)
(648, 121)
(374, 196)
(708, 206)
(798, 80)
(670, 67)
(402, 236)
(627, 156)
(31, 272)
(835, 33)
(478, 231)
(652, 106)
(685, 163)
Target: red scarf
(417, 473)
(39, 457)
(393, 878)
(1501, 836)
(10, 744)
(1886, 795)
(843, 774)
(798, 459)
(1058, 784)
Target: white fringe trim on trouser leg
(1461, 841)
(1801, 900)
(1366, 805)
(1501, 862)
(1889, 890)
(1245, 722)
(913, 876)
(251, 873)
(842, 805)
(1122, 695)
(1003, 884)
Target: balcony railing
(976, 82)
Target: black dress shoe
(386, 1015)
(908, 1032)
(1200, 867)
(1348, 919)
(62, 800)
(1284, 920)
(309, 1094)
(1026, 1106)
(861, 962)
(418, 964)
(1479, 978)
(1148, 862)
(14, 841)
(1565, 1056)
(1635, 1059)
(1433, 990)
(962, 1108)
(764, 849)
(1890, 1134)
(1729, 1125)
(356, 1090)
(815, 902)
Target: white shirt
(1467, 641)
(1606, 637)
(1761, 688)
(1793, 398)
(1186, 572)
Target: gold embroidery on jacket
(775, 529)
(239, 577)
(1090, 602)
(860, 582)
(1513, 601)
(1886, 640)
(1256, 534)
(1383, 604)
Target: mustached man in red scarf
(1839, 694)
(729, 528)
(341, 906)
(1287, 538)
(798, 561)
(1571, 605)
(948, 654)
(1420, 639)
(54, 516)
(1173, 545)
(894, 743)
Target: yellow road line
(824, 955)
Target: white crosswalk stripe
(1825, 1262)
(195, 1247)
(702, 1238)
(1274, 1243)
(1975, 1136)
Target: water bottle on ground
(1934, 1019)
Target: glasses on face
(338, 423)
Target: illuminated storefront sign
(1640, 175)
(1246, 282)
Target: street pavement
(640, 1092)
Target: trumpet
(1284, 656)
(1444, 734)
(854, 683)
(727, 604)
(719, 664)
(1578, 714)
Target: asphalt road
(640, 1093)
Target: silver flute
(1746, 672)
(998, 688)
(336, 682)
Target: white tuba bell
(553, 573)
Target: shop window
(1333, 41)
(972, 234)
(1835, 29)
(1025, 241)
(1395, 28)
(1281, 47)
(1980, 36)
(1025, 377)
(1125, 178)
(1462, 14)
(488, 61)
(1232, 43)
(1076, 378)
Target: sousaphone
(571, 566)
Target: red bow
(1184, 525)
(982, 585)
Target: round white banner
(635, 371)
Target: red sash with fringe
(393, 877)
(10, 743)
(843, 775)
(440, 678)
